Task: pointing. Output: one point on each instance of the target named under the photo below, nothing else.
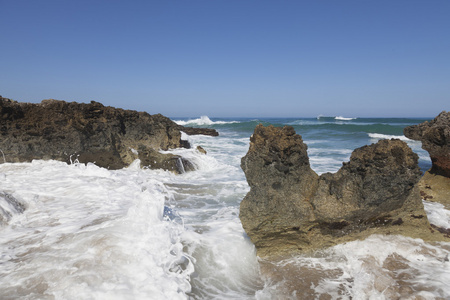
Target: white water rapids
(92, 233)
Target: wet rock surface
(290, 209)
(109, 137)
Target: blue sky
(231, 58)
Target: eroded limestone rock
(290, 209)
(435, 138)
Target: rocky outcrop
(289, 208)
(198, 131)
(110, 137)
(435, 138)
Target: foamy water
(92, 233)
(341, 118)
(380, 267)
(203, 120)
(377, 136)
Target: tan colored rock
(435, 188)
(290, 209)
(435, 138)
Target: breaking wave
(203, 120)
(379, 136)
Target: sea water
(90, 233)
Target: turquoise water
(330, 140)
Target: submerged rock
(198, 131)
(9, 207)
(289, 208)
(110, 137)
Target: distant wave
(380, 136)
(341, 118)
(203, 120)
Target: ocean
(93, 233)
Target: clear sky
(231, 58)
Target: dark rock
(110, 137)
(291, 209)
(435, 138)
(9, 207)
(198, 131)
(201, 150)
(152, 159)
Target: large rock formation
(291, 209)
(109, 137)
(435, 138)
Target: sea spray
(93, 233)
(90, 232)
(203, 120)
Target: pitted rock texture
(290, 209)
(435, 138)
(110, 137)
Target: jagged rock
(435, 138)
(290, 209)
(110, 137)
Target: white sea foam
(226, 266)
(341, 118)
(93, 233)
(437, 214)
(379, 136)
(402, 268)
(90, 233)
(327, 160)
(203, 120)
